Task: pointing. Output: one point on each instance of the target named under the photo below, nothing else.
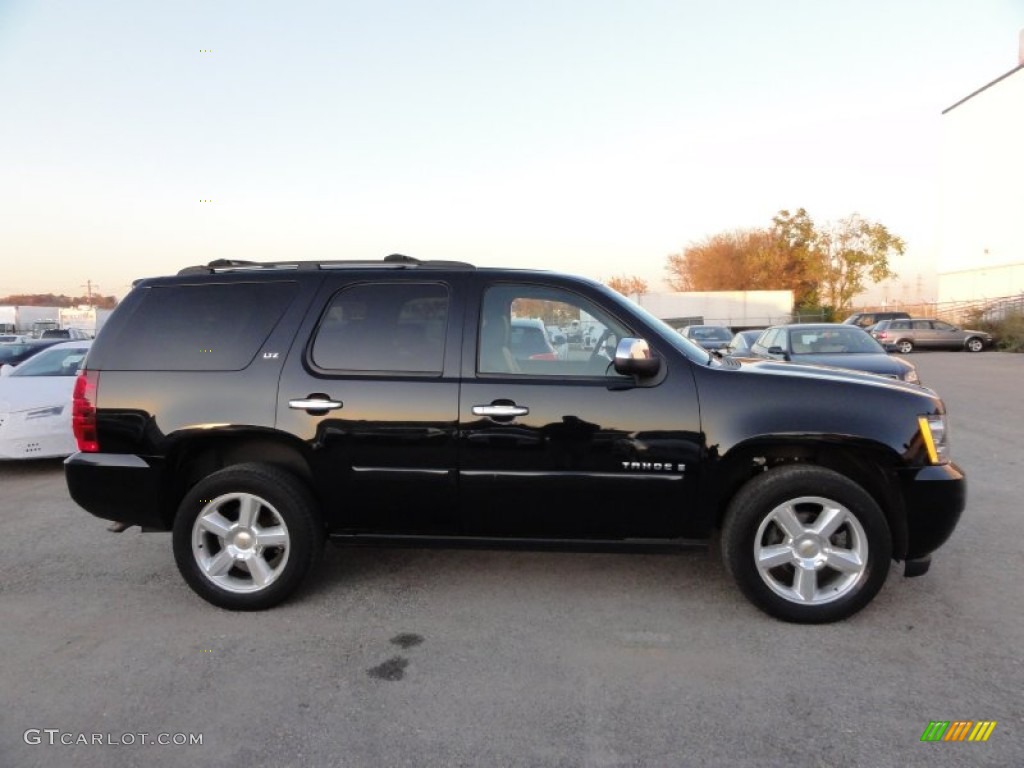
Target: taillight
(83, 411)
(881, 335)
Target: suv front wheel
(806, 544)
(246, 536)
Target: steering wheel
(599, 352)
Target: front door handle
(314, 404)
(500, 410)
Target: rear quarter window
(207, 327)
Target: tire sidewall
(766, 492)
(292, 502)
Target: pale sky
(592, 137)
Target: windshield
(59, 361)
(835, 340)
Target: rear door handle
(314, 404)
(500, 410)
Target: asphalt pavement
(426, 657)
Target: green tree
(851, 252)
(795, 259)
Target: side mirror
(778, 351)
(633, 358)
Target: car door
(925, 336)
(371, 388)
(947, 336)
(565, 447)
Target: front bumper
(121, 487)
(934, 498)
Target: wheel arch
(195, 457)
(871, 466)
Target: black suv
(256, 409)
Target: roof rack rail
(394, 261)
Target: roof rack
(394, 261)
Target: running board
(544, 545)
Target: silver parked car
(924, 333)
(742, 342)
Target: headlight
(911, 376)
(935, 434)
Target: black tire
(861, 544)
(974, 344)
(904, 346)
(259, 538)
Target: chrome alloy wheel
(240, 542)
(811, 550)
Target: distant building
(981, 245)
(735, 309)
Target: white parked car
(35, 403)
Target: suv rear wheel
(806, 544)
(904, 346)
(247, 536)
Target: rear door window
(384, 328)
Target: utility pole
(88, 287)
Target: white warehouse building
(981, 255)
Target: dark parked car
(528, 340)
(742, 342)
(255, 410)
(907, 335)
(835, 344)
(63, 334)
(867, 319)
(19, 352)
(708, 336)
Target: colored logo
(958, 730)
